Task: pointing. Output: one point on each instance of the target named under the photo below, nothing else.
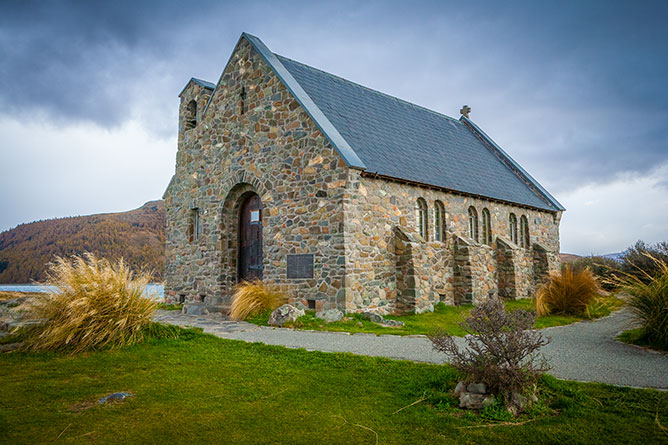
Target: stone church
(344, 197)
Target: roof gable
(329, 130)
(383, 135)
(200, 82)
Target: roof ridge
(371, 89)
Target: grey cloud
(574, 90)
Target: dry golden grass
(568, 292)
(254, 297)
(95, 304)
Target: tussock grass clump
(601, 267)
(96, 304)
(253, 297)
(648, 299)
(569, 292)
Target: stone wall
(255, 138)
(505, 261)
(420, 275)
(260, 141)
(374, 208)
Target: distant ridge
(614, 256)
(137, 235)
(568, 257)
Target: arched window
(422, 217)
(439, 221)
(486, 227)
(194, 227)
(473, 223)
(524, 232)
(513, 228)
(191, 115)
(242, 100)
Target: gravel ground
(585, 351)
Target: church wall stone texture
(249, 135)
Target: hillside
(568, 257)
(137, 235)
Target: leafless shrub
(501, 349)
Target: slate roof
(383, 135)
(200, 82)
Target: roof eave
(200, 82)
(515, 166)
(450, 190)
(169, 186)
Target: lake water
(158, 290)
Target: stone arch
(191, 115)
(229, 235)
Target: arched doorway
(250, 238)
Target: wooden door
(250, 239)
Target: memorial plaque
(300, 266)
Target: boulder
(195, 309)
(120, 396)
(477, 388)
(473, 395)
(373, 317)
(519, 403)
(471, 400)
(487, 401)
(392, 323)
(9, 347)
(285, 313)
(330, 315)
(13, 302)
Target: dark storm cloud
(78, 60)
(574, 90)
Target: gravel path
(585, 351)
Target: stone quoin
(344, 197)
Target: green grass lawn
(444, 317)
(170, 306)
(638, 337)
(202, 389)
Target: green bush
(639, 259)
(648, 299)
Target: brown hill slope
(137, 235)
(568, 257)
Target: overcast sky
(576, 92)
